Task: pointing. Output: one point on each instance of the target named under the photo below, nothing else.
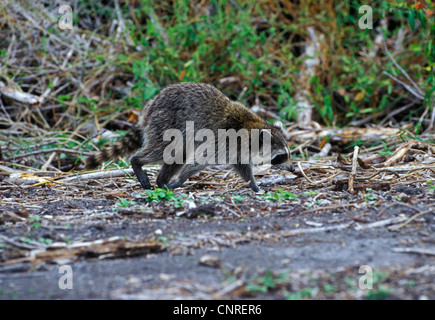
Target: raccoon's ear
(265, 136)
(278, 125)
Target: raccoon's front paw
(254, 186)
(145, 184)
(174, 184)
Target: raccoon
(207, 108)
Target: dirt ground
(219, 243)
(354, 221)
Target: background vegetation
(120, 53)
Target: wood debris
(101, 249)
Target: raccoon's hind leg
(141, 158)
(187, 171)
(166, 173)
(245, 171)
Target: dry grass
(95, 77)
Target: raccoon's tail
(124, 147)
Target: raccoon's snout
(285, 166)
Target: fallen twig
(417, 92)
(295, 232)
(415, 250)
(331, 207)
(411, 219)
(397, 155)
(17, 95)
(315, 182)
(353, 172)
(274, 180)
(58, 150)
(397, 203)
(20, 244)
(99, 175)
(380, 223)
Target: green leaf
(421, 18)
(411, 19)
(415, 47)
(268, 280)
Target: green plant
(159, 194)
(124, 203)
(369, 196)
(311, 193)
(329, 288)
(238, 198)
(300, 295)
(278, 195)
(67, 240)
(36, 221)
(380, 290)
(379, 293)
(163, 240)
(41, 240)
(265, 283)
(45, 241)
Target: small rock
(209, 260)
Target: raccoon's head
(280, 153)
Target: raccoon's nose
(291, 168)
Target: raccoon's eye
(280, 158)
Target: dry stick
(378, 173)
(62, 150)
(397, 155)
(331, 207)
(28, 169)
(413, 172)
(303, 173)
(56, 80)
(315, 182)
(353, 172)
(411, 219)
(19, 244)
(397, 111)
(99, 175)
(432, 120)
(47, 163)
(420, 93)
(5, 111)
(397, 203)
(234, 204)
(274, 180)
(208, 176)
(23, 97)
(295, 232)
(406, 86)
(299, 148)
(380, 223)
(415, 250)
(233, 212)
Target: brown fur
(171, 109)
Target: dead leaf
(419, 5)
(359, 95)
(132, 116)
(115, 195)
